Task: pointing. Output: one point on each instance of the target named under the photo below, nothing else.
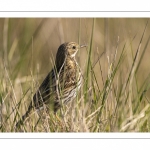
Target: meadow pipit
(61, 84)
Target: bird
(62, 83)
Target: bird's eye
(73, 47)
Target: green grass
(115, 92)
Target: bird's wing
(46, 90)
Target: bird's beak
(85, 45)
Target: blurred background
(28, 47)
(30, 44)
(23, 40)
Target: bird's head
(68, 49)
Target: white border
(74, 141)
(84, 144)
(58, 14)
(74, 5)
(75, 135)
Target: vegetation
(115, 93)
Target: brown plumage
(62, 83)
